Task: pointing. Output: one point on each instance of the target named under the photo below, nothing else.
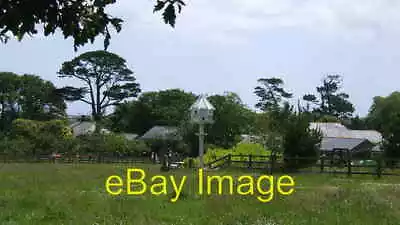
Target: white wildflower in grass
(264, 221)
(260, 221)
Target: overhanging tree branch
(86, 101)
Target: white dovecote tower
(202, 112)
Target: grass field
(75, 194)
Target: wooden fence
(271, 164)
(4, 158)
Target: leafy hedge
(31, 129)
(30, 138)
(110, 144)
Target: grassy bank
(75, 194)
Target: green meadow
(76, 194)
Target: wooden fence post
(379, 167)
(272, 163)
(322, 161)
(229, 159)
(348, 163)
(250, 162)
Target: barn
(336, 137)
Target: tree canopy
(166, 108)
(298, 140)
(106, 79)
(271, 93)
(28, 96)
(171, 108)
(384, 116)
(232, 119)
(331, 102)
(27, 102)
(81, 20)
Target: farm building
(161, 139)
(82, 125)
(162, 133)
(336, 136)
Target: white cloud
(235, 19)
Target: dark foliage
(106, 77)
(299, 141)
(81, 20)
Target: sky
(227, 45)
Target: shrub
(190, 162)
(299, 141)
(29, 137)
(44, 136)
(114, 144)
(30, 128)
(59, 128)
(23, 128)
(244, 149)
(137, 148)
(111, 144)
(16, 146)
(90, 143)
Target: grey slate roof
(330, 129)
(338, 130)
(162, 133)
(372, 135)
(331, 143)
(336, 135)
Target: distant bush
(16, 146)
(30, 138)
(190, 162)
(59, 128)
(113, 144)
(90, 143)
(137, 148)
(30, 129)
(22, 128)
(299, 141)
(40, 137)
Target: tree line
(106, 81)
(29, 100)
